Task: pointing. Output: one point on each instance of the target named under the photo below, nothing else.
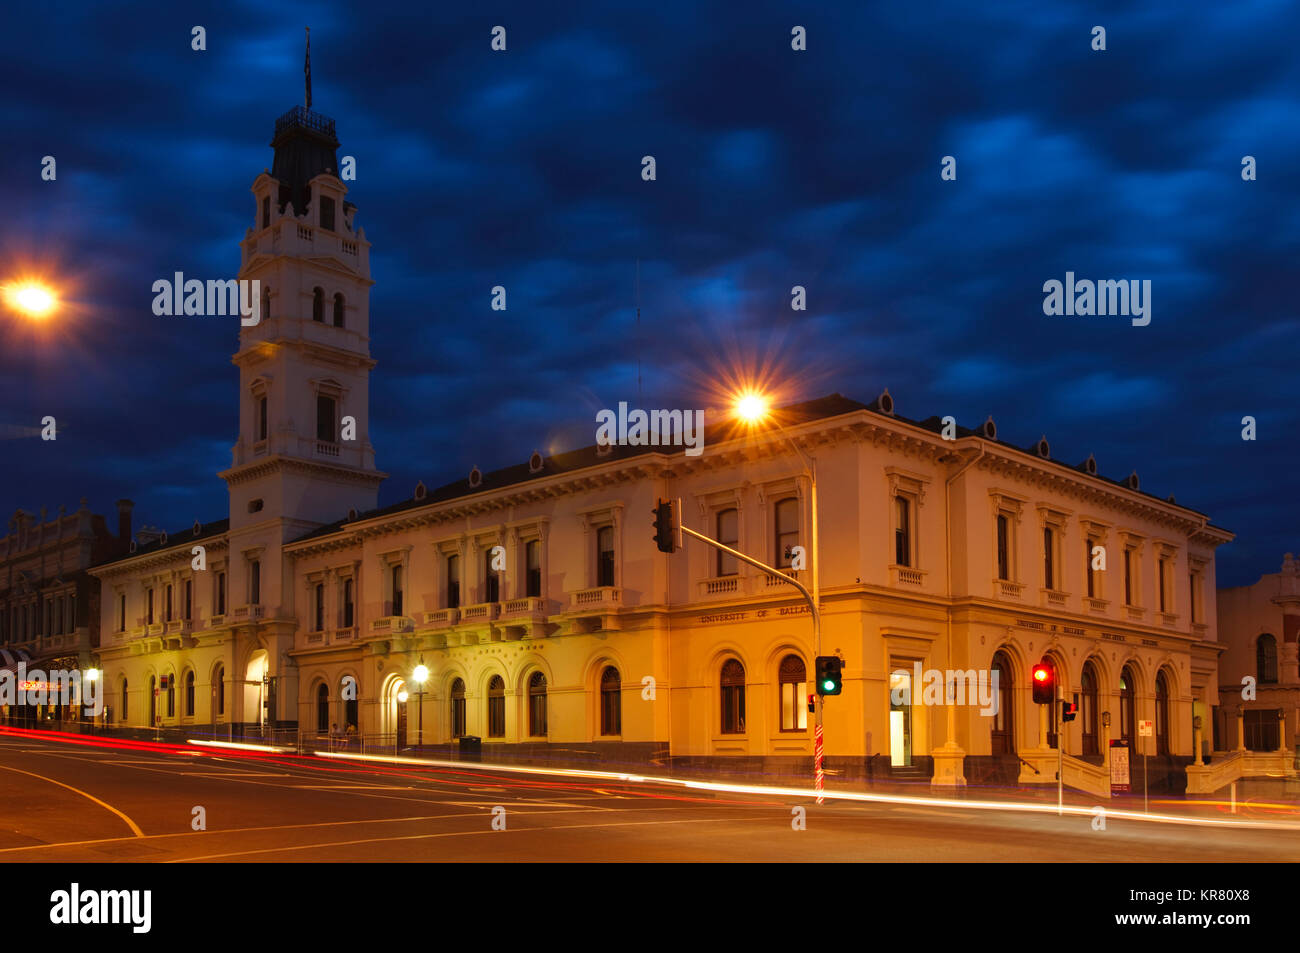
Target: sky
(774, 168)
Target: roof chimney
(124, 508)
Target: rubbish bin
(471, 748)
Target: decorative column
(1241, 729)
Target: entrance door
(1003, 734)
(401, 724)
(900, 718)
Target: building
(1259, 625)
(549, 623)
(49, 603)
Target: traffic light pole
(1060, 759)
(819, 780)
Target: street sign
(1144, 729)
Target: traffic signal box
(1044, 679)
(830, 679)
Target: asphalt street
(69, 802)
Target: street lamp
(754, 408)
(30, 298)
(421, 675)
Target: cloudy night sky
(775, 168)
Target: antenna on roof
(306, 68)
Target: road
(74, 803)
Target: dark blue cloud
(775, 168)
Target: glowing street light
(751, 407)
(31, 298)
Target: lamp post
(753, 408)
(421, 675)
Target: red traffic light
(1044, 683)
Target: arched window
(537, 705)
(611, 702)
(219, 689)
(1088, 707)
(318, 304)
(1162, 714)
(121, 715)
(793, 679)
(1266, 659)
(497, 707)
(787, 530)
(189, 694)
(1127, 699)
(322, 708)
(729, 535)
(266, 304)
(338, 310)
(457, 708)
(1004, 717)
(732, 684)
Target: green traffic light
(828, 684)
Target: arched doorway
(255, 690)
(1162, 713)
(1127, 703)
(1088, 708)
(396, 700)
(322, 708)
(1002, 732)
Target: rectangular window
(605, 556)
(167, 612)
(148, 601)
(453, 582)
(902, 531)
(121, 612)
(1162, 573)
(1195, 587)
(533, 568)
(325, 420)
(1004, 550)
(1128, 576)
(787, 531)
(347, 603)
(1049, 566)
(729, 535)
(491, 580)
(397, 591)
(1088, 544)
(327, 212)
(189, 599)
(255, 582)
(266, 211)
(261, 418)
(221, 593)
(320, 608)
